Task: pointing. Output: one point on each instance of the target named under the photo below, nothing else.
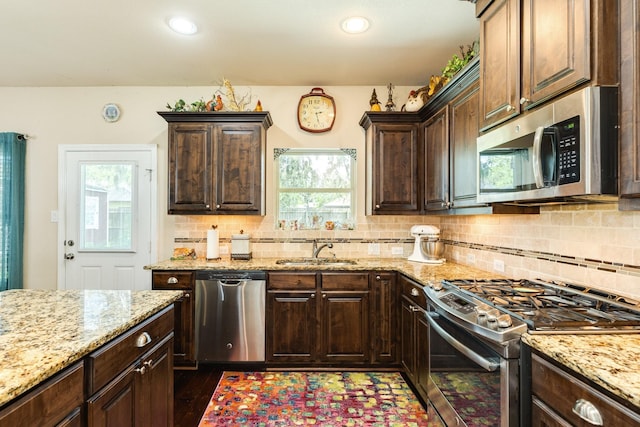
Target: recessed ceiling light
(355, 25)
(183, 26)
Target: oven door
(470, 384)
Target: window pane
(315, 187)
(107, 200)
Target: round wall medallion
(111, 112)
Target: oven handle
(481, 361)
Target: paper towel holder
(213, 251)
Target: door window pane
(106, 209)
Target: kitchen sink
(315, 261)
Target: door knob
(69, 256)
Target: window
(315, 188)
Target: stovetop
(553, 307)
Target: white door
(107, 216)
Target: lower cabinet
(414, 334)
(56, 402)
(327, 318)
(130, 380)
(560, 398)
(184, 344)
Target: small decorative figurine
(219, 105)
(390, 105)
(258, 106)
(375, 104)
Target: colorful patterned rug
(313, 398)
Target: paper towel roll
(213, 244)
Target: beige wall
(594, 245)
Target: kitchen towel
(213, 244)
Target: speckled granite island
(42, 332)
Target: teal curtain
(13, 150)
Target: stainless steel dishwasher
(230, 316)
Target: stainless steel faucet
(315, 250)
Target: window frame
(351, 191)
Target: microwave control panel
(569, 150)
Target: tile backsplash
(594, 245)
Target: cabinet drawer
(345, 281)
(51, 403)
(112, 358)
(172, 280)
(413, 291)
(291, 281)
(560, 391)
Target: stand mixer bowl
(432, 249)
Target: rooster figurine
(219, 105)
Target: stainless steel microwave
(565, 150)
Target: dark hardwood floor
(192, 391)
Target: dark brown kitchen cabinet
(393, 169)
(414, 333)
(184, 351)
(216, 162)
(56, 402)
(558, 396)
(384, 309)
(318, 318)
(130, 380)
(344, 317)
(291, 318)
(630, 105)
(436, 149)
(533, 50)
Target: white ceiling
(250, 42)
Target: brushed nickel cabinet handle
(414, 292)
(588, 412)
(172, 280)
(143, 340)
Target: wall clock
(316, 111)
(111, 113)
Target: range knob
(482, 309)
(435, 284)
(492, 315)
(504, 321)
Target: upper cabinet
(533, 50)
(216, 162)
(394, 168)
(630, 105)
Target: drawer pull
(141, 370)
(588, 412)
(172, 280)
(143, 339)
(414, 292)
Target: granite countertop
(44, 331)
(611, 361)
(421, 272)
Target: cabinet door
(436, 148)
(499, 62)
(191, 166)
(154, 390)
(630, 105)
(463, 135)
(395, 176)
(422, 352)
(555, 47)
(115, 404)
(407, 333)
(291, 326)
(383, 313)
(344, 327)
(184, 320)
(240, 167)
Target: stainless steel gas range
(474, 342)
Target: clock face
(316, 112)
